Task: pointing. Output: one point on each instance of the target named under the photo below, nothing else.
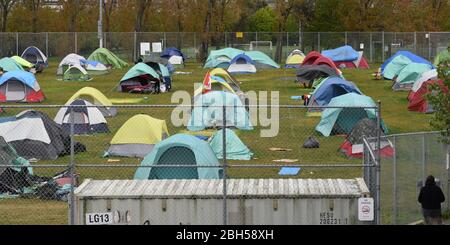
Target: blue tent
(208, 112)
(344, 53)
(242, 58)
(409, 55)
(347, 110)
(25, 77)
(169, 52)
(333, 87)
(180, 149)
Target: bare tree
(33, 6)
(142, 6)
(108, 7)
(283, 10)
(207, 28)
(6, 6)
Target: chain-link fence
(377, 46)
(415, 156)
(148, 164)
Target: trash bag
(311, 142)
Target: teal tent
(411, 72)
(236, 149)
(394, 67)
(180, 149)
(262, 60)
(342, 120)
(221, 58)
(9, 64)
(208, 112)
(138, 70)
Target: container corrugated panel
(250, 201)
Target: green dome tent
(76, 73)
(337, 120)
(106, 57)
(181, 149)
(409, 74)
(138, 70)
(236, 149)
(394, 67)
(262, 60)
(9, 64)
(221, 58)
(441, 57)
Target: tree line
(224, 15)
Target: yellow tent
(295, 58)
(228, 84)
(97, 98)
(137, 136)
(21, 61)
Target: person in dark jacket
(431, 197)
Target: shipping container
(194, 202)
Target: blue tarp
(333, 87)
(25, 77)
(169, 52)
(414, 58)
(344, 53)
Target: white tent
(24, 129)
(87, 118)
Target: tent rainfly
(96, 97)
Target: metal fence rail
(377, 46)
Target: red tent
(325, 61)
(418, 101)
(347, 149)
(350, 64)
(311, 58)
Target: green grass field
(295, 127)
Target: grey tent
(307, 73)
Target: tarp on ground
(344, 53)
(106, 57)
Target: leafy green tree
(263, 20)
(439, 98)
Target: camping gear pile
(346, 57)
(146, 78)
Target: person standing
(431, 197)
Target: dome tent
(418, 100)
(106, 57)
(9, 64)
(344, 112)
(76, 73)
(236, 149)
(208, 112)
(86, 117)
(408, 75)
(97, 98)
(242, 64)
(35, 56)
(295, 59)
(20, 86)
(180, 149)
(410, 56)
(138, 136)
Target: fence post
(371, 47)
(318, 42)
(224, 175)
(76, 42)
(195, 44)
(423, 159)
(378, 166)
(72, 168)
(415, 42)
(382, 46)
(225, 39)
(394, 215)
(429, 46)
(46, 44)
(256, 37)
(17, 43)
(346, 40)
(134, 45)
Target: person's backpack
(311, 142)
